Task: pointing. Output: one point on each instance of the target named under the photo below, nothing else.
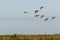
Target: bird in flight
(36, 11)
(41, 7)
(46, 19)
(42, 16)
(25, 12)
(53, 18)
(36, 15)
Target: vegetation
(30, 37)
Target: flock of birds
(42, 16)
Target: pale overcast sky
(13, 20)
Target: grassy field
(30, 37)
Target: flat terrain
(30, 37)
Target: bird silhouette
(41, 7)
(53, 18)
(42, 16)
(36, 11)
(46, 19)
(36, 15)
(25, 12)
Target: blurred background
(13, 20)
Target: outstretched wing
(41, 7)
(36, 11)
(46, 19)
(53, 18)
(42, 16)
(25, 12)
(36, 15)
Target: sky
(14, 21)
